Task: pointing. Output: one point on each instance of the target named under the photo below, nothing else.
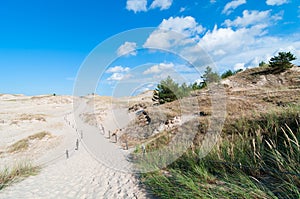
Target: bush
(226, 74)
(282, 61)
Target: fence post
(77, 144)
(116, 139)
(103, 131)
(67, 154)
(108, 134)
(126, 145)
(143, 149)
(81, 135)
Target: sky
(46, 46)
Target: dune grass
(17, 173)
(255, 158)
(23, 144)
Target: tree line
(168, 90)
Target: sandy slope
(80, 176)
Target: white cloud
(229, 7)
(182, 9)
(158, 68)
(213, 1)
(183, 25)
(250, 18)
(127, 48)
(244, 42)
(119, 76)
(226, 40)
(162, 4)
(116, 77)
(276, 2)
(239, 66)
(136, 5)
(174, 31)
(117, 69)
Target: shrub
(168, 90)
(226, 74)
(282, 61)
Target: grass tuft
(17, 173)
(23, 144)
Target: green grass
(17, 173)
(255, 158)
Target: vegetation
(256, 158)
(227, 73)
(168, 90)
(282, 61)
(23, 144)
(209, 76)
(262, 64)
(17, 173)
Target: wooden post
(77, 144)
(126, 145)
(108, 134)
(81, 135)
(103, 131)
(116, 139)
(143, 149)
(67, 154)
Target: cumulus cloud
(225, 40)
(174, 31)
(116, 77)
(127, 48)
(162, 4)
(242, 43)
(119, 76)
(239, 66)
(158, 68)
(184, 25)
(276, 2)
(229, 7)
(117, 69)
(136, 5)
(250, 18)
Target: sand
(98, 169)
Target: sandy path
(82, 176)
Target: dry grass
(17, 173)
(38, 117)
(23, 144)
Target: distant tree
(209, 76)
(262, 64)
(166, 91)
(237, 71)
(54, 94)
(282, 61)
(184, 90)
(227, 73)
(195, 86)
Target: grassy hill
(258, 152)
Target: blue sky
(43, 44)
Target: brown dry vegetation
(23, 144)
(248, 94)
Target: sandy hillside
(83, 175)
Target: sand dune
(99, 168)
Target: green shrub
(282, 61)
